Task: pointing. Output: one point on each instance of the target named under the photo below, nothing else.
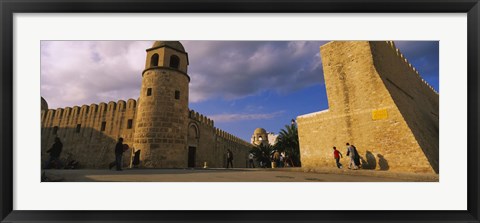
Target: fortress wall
(92, 146)
(417, 101)
(361, 112)
(213, 143)
(239, 148)
(206, 150)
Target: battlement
(229, 137)
(63, 117)
(410, 66)
(200, 118)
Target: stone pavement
(234, 175)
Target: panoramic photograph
(239, 111)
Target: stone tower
(162, 115)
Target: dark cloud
(236, 69)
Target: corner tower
(162, 115)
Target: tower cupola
(167, 55)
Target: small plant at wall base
(262, 154)
(287, 142)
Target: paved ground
(234, 175)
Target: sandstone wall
(366, 112)
(212, 144)
(83, 135)
(94, 147)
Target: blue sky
(241, 85)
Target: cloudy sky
(241, 85)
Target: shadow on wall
(90, 147)
(382, 162)
(370, 162)
(416, 101)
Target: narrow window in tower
(177, 94)
(149, 91)
(55, 129)
(174, 61)
(104, 125)
(154, 60)
(78, 128)
(129, 124)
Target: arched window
(154, 60)
(193, 131)
(174, 61)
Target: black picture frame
(9, 7)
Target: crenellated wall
(212, 143)
(101, 125)
(377, 102)
(89, 132)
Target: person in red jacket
(337, 155)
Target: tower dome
(260, 131)
(172, 44)
(44, 104)
(259, 137)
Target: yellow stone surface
(379, 114)
(377, 102)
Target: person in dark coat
(136, 159)
(118, 155)
(229, 158)
(353, 156)
(356, 157)
(55, 152)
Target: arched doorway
(193, 135)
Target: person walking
(229, 158)
(357, 157)
(263, 160)
(55, 152)
(276, 158)
(118, 155)
(337, 155)
(251, 164)
(351, 153)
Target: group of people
(120, 148)
(354, 162)
(276, 159)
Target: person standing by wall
(276, 159)
(351, 153)
(118, 155)
(55, 152)
(251, 164)
(357, 157)
(229, 158)
(337, 155)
